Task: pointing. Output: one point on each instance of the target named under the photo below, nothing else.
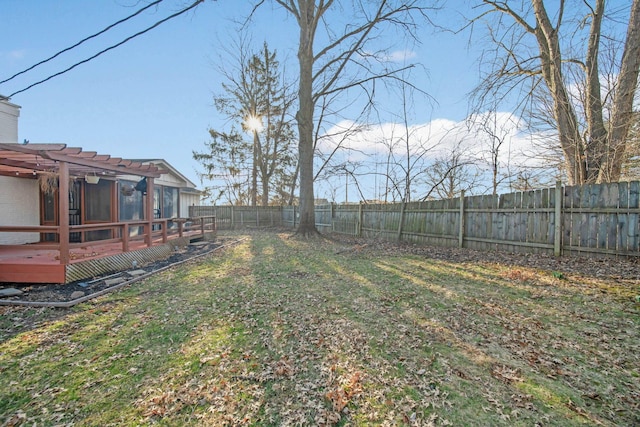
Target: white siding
(19, 205)
(169, 180)
(8, 122)
(186, 200)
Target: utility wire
(197, 2)
(81, 41)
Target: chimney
(9, 114)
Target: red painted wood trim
(63, 195)
(32, 273)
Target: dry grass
(280, 331)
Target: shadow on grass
(284, 331)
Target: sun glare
(254, 123)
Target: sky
(149, 98)
(152, 97)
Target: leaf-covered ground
(280, 331)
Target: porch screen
(170, 202)
(98, 201)
(131, 206)
(98, 208)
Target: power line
(81, 41)
(197, 2)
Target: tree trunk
(596, 143)
(564, 113)
(292, 189)
(307, 225)
(254, 171)
(622, 114)
(594, 152)
(265, 192)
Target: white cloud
(13, 55)
(375, 152)
(397, 56)
(433, 139)
(17, 54)
(401, 55)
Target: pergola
(26, 160)
(31, 160)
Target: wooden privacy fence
(596, 218)
(240, 216)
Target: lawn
(278, 331)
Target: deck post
(63, 211)
(125, 237)
(149, 213)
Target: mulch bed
(63, 292)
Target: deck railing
(120, 232)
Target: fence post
(232, 217)
(461, 230)
(332, 215)
(360, 218)
(557, 229)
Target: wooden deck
(40, 263)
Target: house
(18, 198)
(115, 208)
(189, 195)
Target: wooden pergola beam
(45, 157)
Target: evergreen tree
(244, 166)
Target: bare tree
(494, 135)
(558, 57)
(334, 139)
(408, 150)
(323, 71)
(393, 175)
(352, 179)
(450, 174)
(410, 159)
(631, 169)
